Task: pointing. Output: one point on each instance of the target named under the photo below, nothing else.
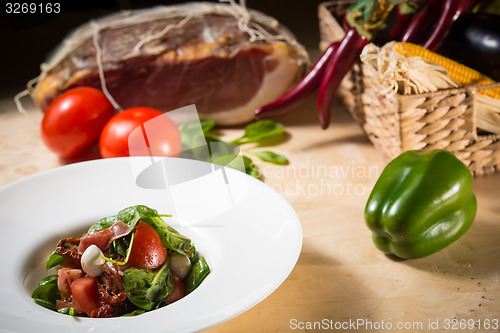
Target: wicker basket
(445, 119)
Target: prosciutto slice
(104, 237)
(224, 58)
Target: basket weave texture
(445, 119)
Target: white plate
(249, 235)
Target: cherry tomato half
(140, 131)
(75, 120)
(147, 250)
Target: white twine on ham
(100, 69)
(162, 33)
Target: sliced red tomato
(75, 120)
(179, 290)
(140, 131)
(147, 250)
(85, 297)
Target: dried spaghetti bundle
(410, 69)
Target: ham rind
(104, 238)
(206, 59)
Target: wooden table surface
(340, 278)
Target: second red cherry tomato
(140, 131)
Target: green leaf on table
(207, 125)
(259, 131)
(272, 157)
(234, 161)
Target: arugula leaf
(146, 288)
(272, 157)
(259, 131)
(55, 259)
(46, 293)
(198, 273)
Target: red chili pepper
(401, 23)
(340, 63)
(420, 24)
(302, 90)
(451, 10)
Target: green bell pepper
(421, 203)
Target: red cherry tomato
(147, 250)
(74, 120)
(85, 298)
(179, 290)
(140, 131)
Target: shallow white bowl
(249, 235)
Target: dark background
(27, 39)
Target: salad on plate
(124, 265)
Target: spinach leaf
(250, 168)
(198, 273)
(103, 223)
(170, 237)
(46, 293)
(146, 288)
(272, 157)
(55, 259)
(134, 313)
(131, 215)
(69, 311)
(259, 131)
(207, 125)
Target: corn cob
(462, 74)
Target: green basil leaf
(146, 288)
(259, 131)
(198, 273)
(272, 157)
(46, 293)
(55, 259)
